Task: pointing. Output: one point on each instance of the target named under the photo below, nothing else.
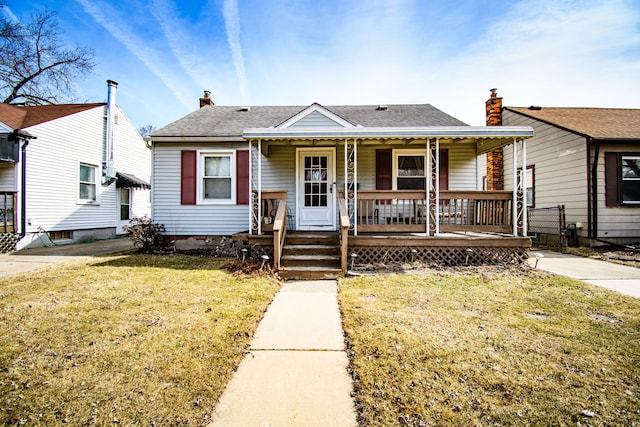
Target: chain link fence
(547, 226)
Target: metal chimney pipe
(108, 170)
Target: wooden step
(307, 273)
(312, 239)
(308, 260)
(289, 249)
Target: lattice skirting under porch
(7, 242)
(445, 256)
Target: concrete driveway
(33, 259)
(620, 278)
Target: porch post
(250, 189)
(259, 187)
(427, 186)
(523, 179)
(350, 182)
(514, 202)
(437, 186)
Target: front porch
(462, 228)
(393, 195)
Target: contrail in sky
(232, 24)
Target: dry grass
(505, 348)
(134, 339)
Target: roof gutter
(408, 132)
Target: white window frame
(120, 205)
(200, 174)
(96, 183)
(407, 152)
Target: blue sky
(164, 53)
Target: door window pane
(316, 185)
(125, 204)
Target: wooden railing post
(344, 233)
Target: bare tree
(36, 67)
(146, 130)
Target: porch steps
(311, 256)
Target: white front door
(316, 198)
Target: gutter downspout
(23, 188)
(592, 180)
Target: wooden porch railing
(345, 224)
(481, 211)
(406, 211)
(7, 212)
(272, 215)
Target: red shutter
(242, 175)
(612, 175)
(188, 177)
(444, 170)
(384, 170)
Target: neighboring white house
(587, 160)
(73, 171)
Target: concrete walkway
(620, 278)
(296, 371)
(33, 259)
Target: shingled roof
(219, 121)
(24, 117)
(598, 123)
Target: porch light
(264, 259)
(538, 256)
(244, 253)
(353, 259)
(466, 259)
(413, 254)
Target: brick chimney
(206, 99)
(495, 164)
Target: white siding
(315, 120)
(52, 171)
(560, 167)
(190, 220)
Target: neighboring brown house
(587, 160)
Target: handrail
(279, 232)
(344, 233)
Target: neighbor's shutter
(242, 175)
(611, 179)
(384, 171)
(188, 177)
(444, 170)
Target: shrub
(146, 234)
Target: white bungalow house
(400, 180)
(70, 173)
(586, 161)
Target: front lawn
(470, 347)
(130, 340)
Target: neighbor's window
(216, 171)
(87, 191)
(125, 204)
(631, 179)
(410, 170)
(529, 185)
